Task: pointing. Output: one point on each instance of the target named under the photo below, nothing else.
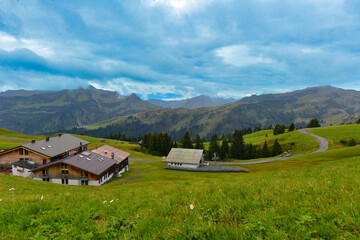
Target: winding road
(323, 147)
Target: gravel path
(323, 147)
(13, 139)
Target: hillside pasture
(337, 133)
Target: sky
(173, 49)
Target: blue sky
(180, 48)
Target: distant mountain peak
(134, 97)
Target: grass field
(309, 197)
(336, 133)
(153, 203)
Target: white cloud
(181, 6)
(240, 56)
(10, 43)
(311, 50)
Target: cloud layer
(179, 48)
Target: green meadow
(314, 196)
(336, 133)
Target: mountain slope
(190, 103)
(46, 112)
(328, 104)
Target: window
(26, 152)
(44, 161)
(84, 174)
(64, 166)
(84, 182)
(21, 159)
(65, 181)
(64, 171)
(21, 151)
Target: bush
(351, 143)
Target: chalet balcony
(44, 176)
(65, 176)
(86, 178)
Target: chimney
(112, 155)
(33, 141)
(59, 134)
(47, 138)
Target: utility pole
(214, 158)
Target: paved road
(13, 139)
(323, 147)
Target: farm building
(184, 158)
(44, 151)
(86, 168)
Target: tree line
(230, 147)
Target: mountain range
(36, 112)
(328, 104)
(190, 103)
(98, 111)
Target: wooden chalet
(86, 168)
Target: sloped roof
(106, 151)
(26, 164)
(56, 145)
(183, 155)
(90, 162)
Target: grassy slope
(16, 135)
(6, 144)
(310, 202)
(301, 143)
(336, 133)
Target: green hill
(328, 104)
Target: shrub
(351, 142)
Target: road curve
(323, 147)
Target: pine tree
(279, 129)
(186, 141)
(291, 127)
(213, 147)
(276, 148)
(198, 142)
(265, 150)
(358, 121)
(313, 123)
(237, 146)
(224, 150)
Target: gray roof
(56, 145)
(26, 164)
(90, 162)
(183, 155)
